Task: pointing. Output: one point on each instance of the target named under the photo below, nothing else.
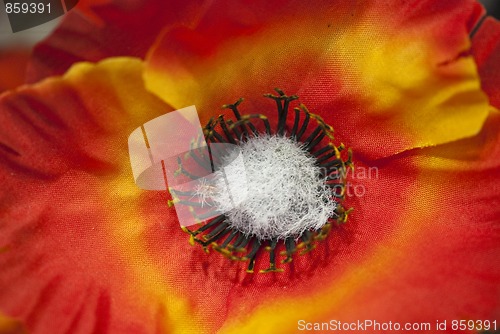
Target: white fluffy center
(285, 193)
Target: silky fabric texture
(83, 249)
(13, 61)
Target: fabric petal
(438, 262)
(11, 326)
(97, 29)
(486, 52)
(85, 250)
(399, 66)
(68, 205)
(13, 62)
(83, 239)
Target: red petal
(486, 52)
(399, 66)
(85, 250)
(438, 260)
(12, 67)
(61, 142)
(98, 29)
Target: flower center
(282, 194)
(286, 194)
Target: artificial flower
(83, 249)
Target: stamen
(211, 224)
(216, 231)
(251, 265)
(294, 188)
(212, 134)
(184, 171)
(325, 230)
(335, 190)
(290, 249)
(312, 135)
(246, 120)
(229, 238)
(272, 259)
(323, 150)
(312, 143)
(225, 129)
(239, 247)
(234, 108)
(333, 163)
(200, 161)
(326, 157)
(304, 126)
(295, 123)
(237, 133)
(307, 244)
(255, 249)
(205, 216)
(282, 103)
(239, 241)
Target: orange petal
(11, 326)
(84, 249)
(69, 205)
(97, 253)
(387, 77)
